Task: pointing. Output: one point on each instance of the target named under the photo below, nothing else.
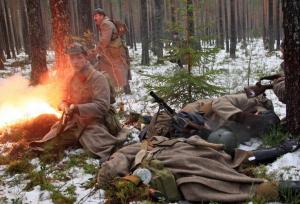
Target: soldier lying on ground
(87, 106)
(202, 170)
(232, 119)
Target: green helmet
(225, 137)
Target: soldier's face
(98, 18)
(78, 61)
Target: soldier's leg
(62, 141)
(269, 155)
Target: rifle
(62, 123)
(259, 88)
(184, 123)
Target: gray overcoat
(89, 90)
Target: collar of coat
(105, 20)
(86, 73)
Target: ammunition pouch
(116, 43)
(111, 121)
(163, 180)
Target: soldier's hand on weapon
(70, 111)
(257, 89)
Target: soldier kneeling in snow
(87, 108)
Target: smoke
(16, 89)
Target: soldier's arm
(279, 89)
(106, 34)
(227, 107)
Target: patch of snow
(250, 145)
(287, 167)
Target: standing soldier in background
(111, 51)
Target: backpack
(121, 27)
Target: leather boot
(269, 155)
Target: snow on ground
(237, 73)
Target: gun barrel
(162, 103)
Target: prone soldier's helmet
(99, 11)
(76, 48)
(225, 137)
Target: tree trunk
(10, 30)
(271, 29)
(158, 44)
(61, 30)
(190, 16)
(2, 57)
(25, 32)
(226, 25)
(133, 34)
(173, 19)
(144, 33)
(278, 25)
(265, 38)
(4, 31)
(14, 19)
(291, 47)
(84, 16)
(244, 24)
(37, 39)
(221, 31)
(232, 29)
(189, 34)
(238, 20)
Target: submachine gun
(259, 87)
(182, 121)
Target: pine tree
(186, 84)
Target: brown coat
(221, 109)
(202, 170)
(112, 54)
(279, 89)
(89, 90)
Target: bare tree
(291, 47)
(232, 29)
(37, 41)
(158, 29)
(244, 24)
(84, 16)
(4, 28)
(221, 31)
(278, 25)
(25, 26)
(226, 25)
(144, 33)
(271, 27)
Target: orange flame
(20, 102)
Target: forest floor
(70, 179)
